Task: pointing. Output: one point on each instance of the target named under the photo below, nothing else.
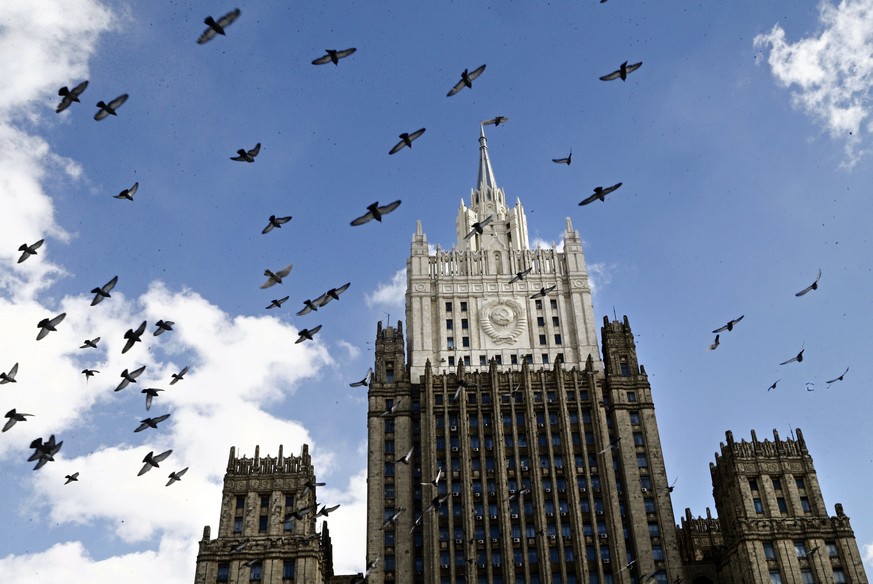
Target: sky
(742, 142)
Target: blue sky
(742, 142)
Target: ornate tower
(257, 540)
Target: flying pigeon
(774, 384)
(107, 110)
(332, 294)
(365, 381)
(133, 337)
(247, 155)
(276, 277)
(621, 72)
(393, 517)
(478, 226)
(127, 194)
(275, 223)
(9, 377)
(333, 56)
(813, 286)
(714, 344)
(151, 460)
(310, 486)
(406, 457)
(103, 291)
(324, 511)
(29, 250)
(44, 452)
(150, 393)
(436, 503)
(568, 160)
(599, 194)
(520, 275)
(151, 422)
(216, 27)
(406, 140)
(68, 96)
(277, 302)
(71, 478)
(180, 375)
(308, 306)
(129, 377)
(798, 358)
(176, 476)
(14, 417)
(306, 334)
(47, 325)
(730, 325)
(90, 343)
(89, 373)
(436, 479)
(374, 211)
(496, 121)
(544, 292)
(840, 378)
(467, 78)
(163, 326)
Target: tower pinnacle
(486, 173)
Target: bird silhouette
(406, 457)
(436, 503)
(436, 479)
(496, 121)
(44, 451)
(151, 461)
(132, 337)
(325, 510)
(68, 96)
(568, 160)
(600, 194)
(128, 377)
(406, 140)
(840, 378)
(307, 334)
(813, 286)
(611, 445)
(798, 358)
(275, 223)
(544, 292)
(310, 486)
(333, 56)
(108, 109)
(90, 343)
(308, 306)
(730, 325)
(365, 381)
(332, 294)
(520, 275)
(10, 376)
(14, 417)
(180, 375)
(29, 250)
(773, 386)
(176, 476)
(163, 326)
(127, 194)
(216, 27)
(391, 410)
(394, 517)
(71, 478)
(48, 325)
(478, 226)
(243, 155)
(374, 211)
(467, 78)
(714, 344)
(277, 302)
(274, 278)
(103, 292)
(150, 393)
(89, 373)
(151, 423)
(672, 486)
(621, 72)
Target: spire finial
(486, 174)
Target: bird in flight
(107, 110)
(390, 411)
(840, 378)
(374, 211)
(151, 422)
(365, 381)
(176, 476)
(406, 140)
(496, 121)
(68, 96)
(611, 445)
(813, 286)
(673, 486)
(127, 194)
(568, 160)
(436, 503)
(393, 517)
(310, 486)
(89, 373)
(333, 56)
(599, 194)
(14, 417)
(129, 377)
(300, 514)
(151, 460)
(798, 358)
(243, 155)
(773, 386)
(436, 479)
(48, 325)
(163, 326)
(71, 478)
(406, 457)
(275, 223)
(133, 337)
(276, 277)
(730, 325)
(520, 275)
(10, 376)
(180, 375)
(467, 78)
(714, 344)
(217, 27)
(307, 334)
(150, 393)
(332, 294)
(478, 226)
(277, 302)
(622, 71)
(308, 306)
(29, 250)
(544, 292)
(103, 291)
(325, 510)
(44, 452)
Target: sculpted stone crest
(503, 320)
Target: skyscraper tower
(502, 447)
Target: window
(541, 321)
(513, 359)
(783, 506)
(634, 418)
(542, 339)
(450, 342)
(769, 551)
(389, 426)
(557, 339)
(288, 570)
(465, 342)
(448, 306)
(389, 371)
(646, 482)
(289, 501)
(832, 549)
(262, 524)
(538, 304)
(223, 574)
(451, 361)
(638, 439)
(775, 577)
(288, 526)
(389, 469)
(389, 446)
(777, 484)
(753, 484)
(482, 361)
(463, 307)
(465, 324)
(658, 553)
(649, 504)
(623, 366)
(642, 461)
(545, 357)
(499, 359)
(555, 321)
(553, 303)
(839, 576)
(450, 324)
(806, 576)
(631, 396)
(237, 524)
(654, 530)
(256, 572)
(759, 507)
(800, 549)
(804, 504)
(240, 501)
(800, 483)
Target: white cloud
(599, 275)
(832, 71)
(353, 351)
(346, 532)
(538, 243)
(390, 294)
(867, 555)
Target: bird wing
(458, 87)
(322, 60)
(397, 147)
(811, 286)
(561, 160)
(590, 199)
(9, 424)
(475, 72)
(101, 114)
(345, 53)
(137, 372)
(384, 210)
(160, 419)
(228, 18)
(314, 330)
(789, 361)
(118, 101)
(721, 329)
(344, 287)
(254, 151)
(108, 286)
(77, 90)
(839, 378)
(12, 373)
(207, 35)
(162, 456)
(366, 217)
(285, 271)
(608, 190)
(65, 103)
(416, 134)
(614, 75)
(268, 228)
(633, 67)
(57, 320)
(131, 341)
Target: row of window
(545, 359)
(806, 576)
(256, 571)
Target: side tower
(258, 539)
(773, 517)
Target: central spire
(486, 174)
